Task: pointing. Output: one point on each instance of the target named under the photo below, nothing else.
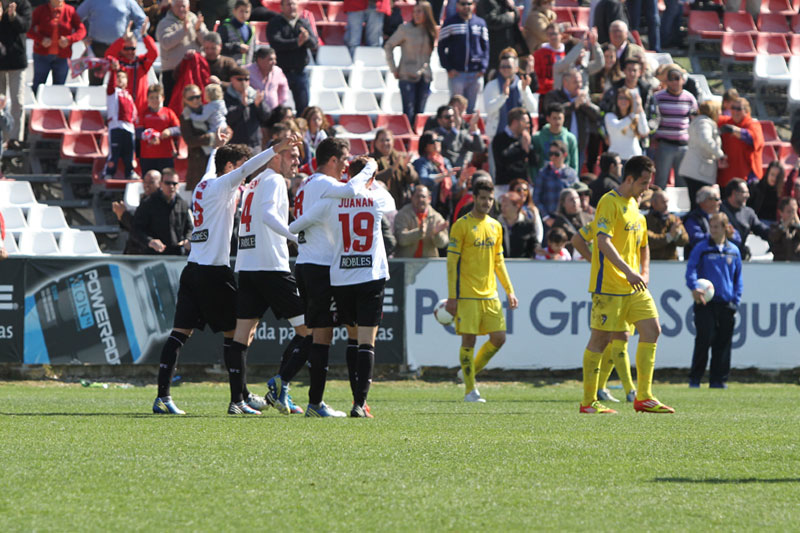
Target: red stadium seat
(399, 145)
(703, 26)
(581, 16)
(772, 23)
(357, 124)
(787, 155)
(117, 182)
(260, 29)
(567, 3)
(316, 10)
(81, 147)
(564, 16)
(794, 44)
(739, 22)
(481, 125)
(335, 12)
(358, 147)
(795, 23)
(779, 7)
(738, 47)
(273, 6)
(332, 33)
(183, 150)
(48, 122)
(768, 155)
(774, 45)
(770, 133)
(181, 167)
(87, 121)
(397, 124)
(419, 122)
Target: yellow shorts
(479, 317)
(620, 313)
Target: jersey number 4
(196, 207)
(362, 225)
(246, 217)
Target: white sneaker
(604, 395)
(257, 402)
(474, 397)
(460, 376)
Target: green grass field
(76, 459)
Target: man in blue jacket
(719, 261)
(464, 52)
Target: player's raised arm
(269, 210)
(238, 175)
(354, 186)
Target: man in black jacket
(609, 178)
(742, 217)
(151, 182)
(14, 24)
(502, 19)
(519, 233)
(581, 116)
(162, 220)
(511, 149)
(292, 38)
(606, 12)
(247, 110)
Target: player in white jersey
(359, 268)
(207, 291)
(315, 245)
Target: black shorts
(360, 304)
(314, 283)
(207, 295)
(262, 290)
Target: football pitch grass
(87, 459)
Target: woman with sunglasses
(743, 143)
(626, 124)
(54, 27)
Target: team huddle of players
(341, 259)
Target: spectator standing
(537, 22)
(626, 125)
(581, 116)
(458, 144)
(55, 26)
(195, 138)
(546, 57)
(718, 261)
(665, 231)
(122, 116)
(105, 21)
(511, 149)
(179, 32)
(247, 111)
(219, 66)
(676, 107)
(551, 180)
(394, 168)
(502, 19)
(552, 131)
(653, 21)
(436, 173)
(157, 151)
(609, 179)
(632, 80)
(699, 165)
(136, 67)
(570, 216)
(742, 217)
(162, 220)
(743, 143)
(506, 92)
(292, 38)
(626, 49)
(605, 13)
(238, 36)
(419, 229)
(696, 221)
(604, 79)
(151, 182)
(764, 195)
(519, 234)
(416, 40)
(584, 54)
(669, 21)
(266, 76)
(6, 122)
(365, 18)
(464, 52)
(784, 235)
(215, 10)
(317, 128)
(15, 21)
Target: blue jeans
(298, 84)
(669, 24)
(43, 65)
(669, 156)
(374, 30)
(414, 94)
(653, 21)
(121, 142)
(467, 84)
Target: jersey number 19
(363, 225)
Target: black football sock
(298, 359)
(351, 356)
(169, 358)
(234, 361)
(366, 362)
(227, 342)
(293, 346)
(319, 372)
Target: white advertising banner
(551, 326)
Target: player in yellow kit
(474, 258)
(618, 283)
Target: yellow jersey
(474, 258)
(620, 219)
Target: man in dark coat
(14, 24)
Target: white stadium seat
(334, 56)
(30, 98)
(327, 100)
(794, 94)
(759, 248)
(369, 56)
(19, 193)
(14, 218)
(368, 79)
(440, 84)
(436, 100)
(79, 243)
(132, 195)
(37, 243)
(91, 98)
(46, 217)
(392, 103)
(678, 198)
(328, 79)
(360, 102)
(704, 89)
(10, 243)
(55, 97)
(771, 70)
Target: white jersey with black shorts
(315, 243)
(359, 267)
(265, 278)
(207, 291)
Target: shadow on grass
(122, 415)
(728, 481)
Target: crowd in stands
(549, 113)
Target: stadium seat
(439, 83)
(16, 193)
(37, 243)
(358, 147)
(328, 78)
(705, 91)
(795, 23)
(260, 29)
(794, 66)
(334, 12)
(772, 45)
(419, 122)
(794, 44)
(360, 102)
(47, 217)
(315, 9)
(738, 47)
(759, 248)
(87, 121)
(739, 22)
(704, 25)
(14, 218)
(328, 101)
(778, 7)
(78, 243)
(397, 124)
(10, 243)
(772, 23)
(678, 199)
(370, 56)
(360, 125)
(30, 99)
(91, 98)
(435, 100)
(132, 195)
(399, 145)
(55, 97)
(481, 123)
(770, 133)
(48, 122)
(770, 70)
(787, 155)
(768, 155)
(332, 34)
(392, 103)
(367, 79)
(334, 56)
(81, 147)
(564, 16)
(581, 15)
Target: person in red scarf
(742, 143)
(121, 117)
(419, 229)
(54, 28)
(436, 173)
(135, 67)
(159, 125)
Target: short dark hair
(638, 165)
(561, 145)
(608, 159)
(241, 3)
(554, 108)
(557, 235)
(262, 52)
(232, 153)
(357, 165)
(442, 110)
(783, 202)
(630, 61)
(483, 183)
(516, 114)
(331, 147)
(733, 185)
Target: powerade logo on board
(80, 299)
(100, 311)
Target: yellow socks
(645, 362)
(468, 368)
(606, 366)
(619, 354)
(486, 352)
(591, 374)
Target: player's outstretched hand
(513, 302)
(698, 296)
(451, 306)
(637, 281)
(224, 134)
(288, 143)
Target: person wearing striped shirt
(676, 107)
